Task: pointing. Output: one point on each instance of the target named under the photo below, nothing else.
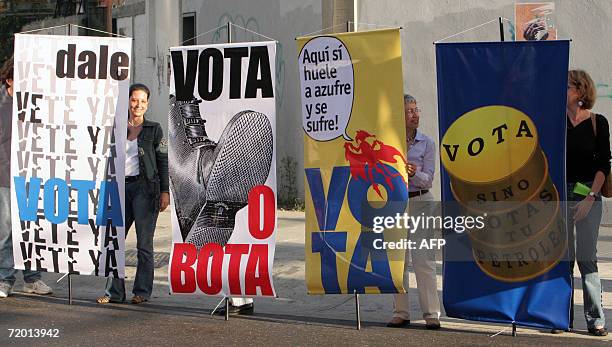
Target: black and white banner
(222, 123)
(70, 106)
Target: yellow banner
(354, 159)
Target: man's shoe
(598, 331)
(5, 289)
(432, 323)
(37, 287)
(560, 331)
(398, 322)
(236, 310)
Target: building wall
(154, 27)
(586, 22)
(336, 14)
(282, 20)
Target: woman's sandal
(598, 331)
(137, 299)
(103, 300)
(107, 299)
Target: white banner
(70, 106)
(222, 157)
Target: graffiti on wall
(160, 63)
(512, 31)
(250, 25)
(604, 90)
(246, 30)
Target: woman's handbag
(606, 188)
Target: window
(189, 29)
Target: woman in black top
(146, 194)
(588, 162)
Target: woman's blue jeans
(7, 266)
(583, 250)
(141, 209)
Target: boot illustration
(241, 161)
(189, 148)
(210, 181)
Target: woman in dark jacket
(146, 194)
(588, 162)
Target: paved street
(164, 324)
(293, 318)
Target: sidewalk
(294, 305)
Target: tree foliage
(9, 25)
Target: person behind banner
(33, 283)
(146, 194)
(588, 162)
(420, 169)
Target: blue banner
(502, 128)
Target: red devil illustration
(367, 157)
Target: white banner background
(217, 113)
(68, 135)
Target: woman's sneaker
(37, 287)
(5, 289)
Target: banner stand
(69, 287)
(349, 27)
(229, 39)
(500, 20)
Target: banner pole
(357, 313)
(109, 16)
(502, 38)
(69, 276)
(226, 308)
(229, 32)
(69, 289)
(229, 40)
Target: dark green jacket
(153, 155)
